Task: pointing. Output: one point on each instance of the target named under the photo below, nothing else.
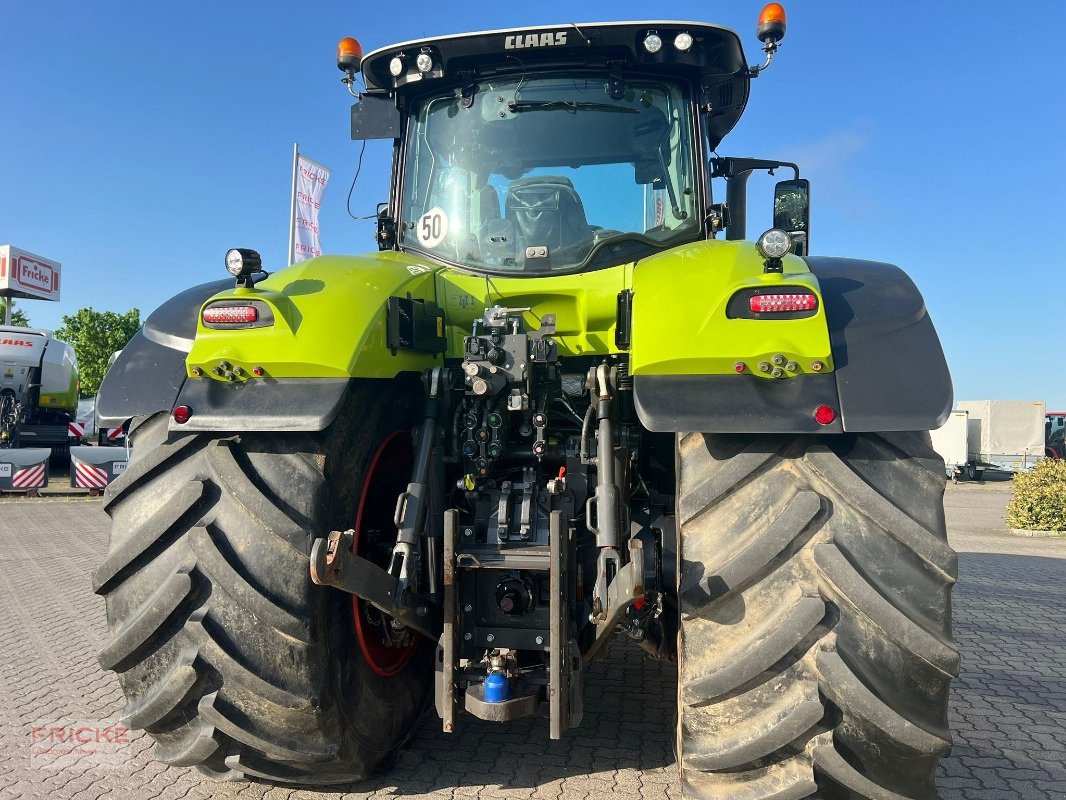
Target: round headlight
(683, 41)
(652, 43)
(774, 243)
(424, 62)
(234, 262)
(241, 261)
(396, 67)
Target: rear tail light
(230, 315)
(235, 313)
(782, 303)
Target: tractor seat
(546, 212)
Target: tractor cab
(558, 149)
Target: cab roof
(714, 63)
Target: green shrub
(1039, 502)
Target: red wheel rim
(375, 533)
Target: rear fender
(891, 373)
(701, 361)
(885, 368)
(329, 327)
(329, 321)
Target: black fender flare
(891, 373)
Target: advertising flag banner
(309, 185)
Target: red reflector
(780, 303)
(182, 414)
(824, 415)
(230, 315)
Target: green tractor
(565, 404)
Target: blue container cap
(497, 688)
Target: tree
(18, 316)
(95, 335)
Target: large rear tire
(229, 656)
(815, 647)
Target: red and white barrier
(76, 430)
(24, 469)
(86, 476)
(30, 478)
(93, 468)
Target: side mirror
(386, 235)
(792, 212)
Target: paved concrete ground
(1009, 708)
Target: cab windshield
(550, 174)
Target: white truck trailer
(951, 442)
(1004, 435)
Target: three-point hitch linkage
(537, 559)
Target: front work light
(424, 62)
(396, 67)
(683, 41)
(774, 243)
(652, 43)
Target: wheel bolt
(764, 366)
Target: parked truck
(566, 403)
(1055, 434)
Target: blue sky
(141, 140)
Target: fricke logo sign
(26, 275)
